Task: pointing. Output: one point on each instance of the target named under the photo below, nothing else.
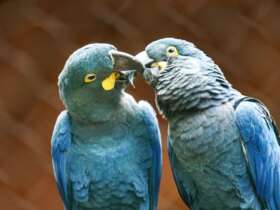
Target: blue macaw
(106, 147)
(223, 146)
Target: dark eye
(172, 51)
(90, 78)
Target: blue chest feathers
(111, 172)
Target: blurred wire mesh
(36, 37)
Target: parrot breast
(111, 172)
(207, 145)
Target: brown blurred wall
(36, 37)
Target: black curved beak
(126, 65)
(125, 62)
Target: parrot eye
(90, 78)
(172, 51)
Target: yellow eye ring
(172, 51)
(90, 78)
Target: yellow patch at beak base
(161, 65)
(109, 82)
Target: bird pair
(106, 148)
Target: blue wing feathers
(261, 142)
(150, 120)
(60, 143)
(180, 187)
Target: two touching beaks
(127, 63)
(124, 63)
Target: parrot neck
(108, 130)
(183, 93)
(99, 111)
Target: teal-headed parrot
(106, 147)
(223, 146)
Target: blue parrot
(223, 146)
(106, 147)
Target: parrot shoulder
(61, 134)
(149, 118)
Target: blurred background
(36, 37)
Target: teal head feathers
(93, 80)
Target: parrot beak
(124, 70)
(151, 67)
(125, 62)
(144, 59)
(148, 62)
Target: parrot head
(93, 80)
(183, 76)
(161, 53)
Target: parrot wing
(60, 144)
(184, 191)
(260, 142)
(151, 123)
